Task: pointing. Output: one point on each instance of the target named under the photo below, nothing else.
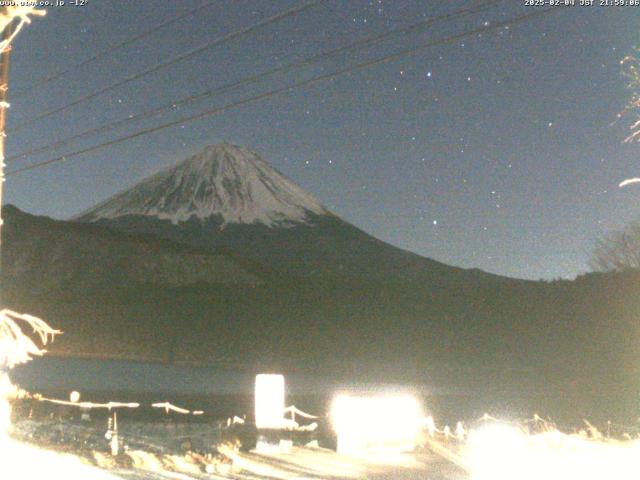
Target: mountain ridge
(49, 254)
(436, 323)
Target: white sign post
(270, 401)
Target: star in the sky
(505, 72)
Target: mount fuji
(229, 183)
(228, 196)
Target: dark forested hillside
(571, 347)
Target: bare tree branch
(618, 251)
(15, 346)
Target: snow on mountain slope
(225, 181)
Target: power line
(304, 83)
(368, 64)
(255, 78)
(183, 56)
(110, 50)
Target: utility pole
(16, 346)
(4, 105)
(9, 30)
(8, 15)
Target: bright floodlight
(269, 401)
(378, 423)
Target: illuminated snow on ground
(494, 451)
(21, 461)
(503, 452)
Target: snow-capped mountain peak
(224, 181)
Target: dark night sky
(498, 151)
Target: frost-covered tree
(16, 347)
(631, 72)
(9, 14)
(620, 250)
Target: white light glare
(502, 452)
(384, 423)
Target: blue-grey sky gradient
(501, 151)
